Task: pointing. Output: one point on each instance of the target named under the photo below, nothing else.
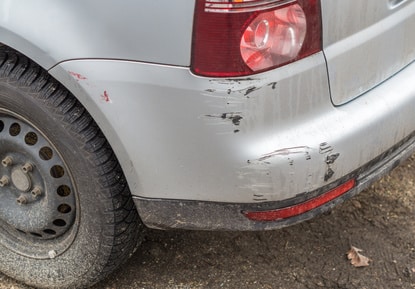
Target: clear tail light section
(243, 37)
(274, 37)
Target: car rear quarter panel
(51, 31)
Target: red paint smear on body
(78, 76)
(105, 96)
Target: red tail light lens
(242, 37)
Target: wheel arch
(29, 49)
(58, 169)
(71, 83)
(91, 30)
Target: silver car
(189, 114)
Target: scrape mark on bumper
(235, 117)
(285, 152)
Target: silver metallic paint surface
(51, 31)
(267, 137)
(176, 138)
(366, 42)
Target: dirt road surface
(380, 221)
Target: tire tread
(122, 222)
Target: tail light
(243, 37)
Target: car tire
(67, 218)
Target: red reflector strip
(299, 209)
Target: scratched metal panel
(263, 138)
(365, 43)
(50, 31)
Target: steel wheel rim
(38, 198)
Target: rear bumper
(198, 151)
(197, 215)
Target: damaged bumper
(198, 152)
(194, 215)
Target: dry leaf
(357, 204)
(357, 259)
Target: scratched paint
(236, 86)
(286, 152)
(77, 76)
(105, 97)
(278, 171)
(330, 159)
(273, 85)
(234, 117)
(234, 95)
(250, 90)
(326, 149)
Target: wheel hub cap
(21, 180)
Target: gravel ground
(309, 255)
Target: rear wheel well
(55, 156)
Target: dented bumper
(192, 146)
(196, 215)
